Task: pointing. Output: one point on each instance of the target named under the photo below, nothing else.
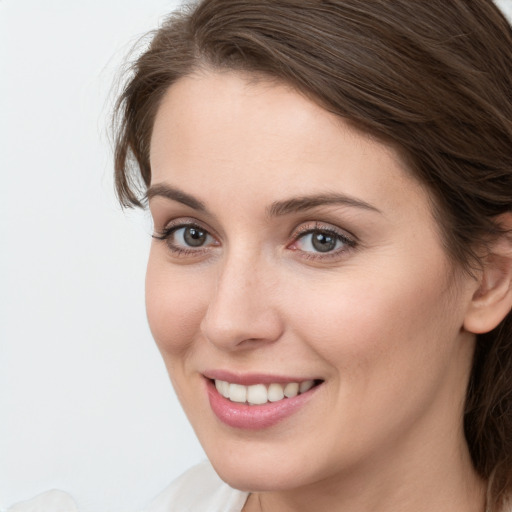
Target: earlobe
(492, 300)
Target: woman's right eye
(186, 238)
(191, 237)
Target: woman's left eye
(322, 241)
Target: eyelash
(348, 242)
(167, 233)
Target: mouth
(257, 402)
(260, 394)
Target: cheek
(390, 352)
(175, 305)
(369, 325)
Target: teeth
(225, 390)
(260, 394)
(222, 387)
(257, 394)
(237, 393)
(306, 386)
(275, 392)
(291, 389)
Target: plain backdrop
(85, 402)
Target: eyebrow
(298, 204)
(175, 194)
(276, 209)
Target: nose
(243, 312)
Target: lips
(257, 402)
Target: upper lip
(249, 379)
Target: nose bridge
(241, 307)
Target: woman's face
(291, 248)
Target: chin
(262, 469)
(246, 477)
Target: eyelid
(348, 239)
(311, 227)
(166, 235)
(183, 222)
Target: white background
(85, 402)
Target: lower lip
(254, 417)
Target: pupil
(194, 237)
(323, 242)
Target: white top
(198, 490)
(50, 501)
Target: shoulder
(50, 501)
(199, 490)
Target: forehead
(226, 129)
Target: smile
(260, 402)
(259, 394)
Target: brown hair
(432, 77)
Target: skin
(380, 320)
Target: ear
(492, 300)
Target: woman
(329, 282)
